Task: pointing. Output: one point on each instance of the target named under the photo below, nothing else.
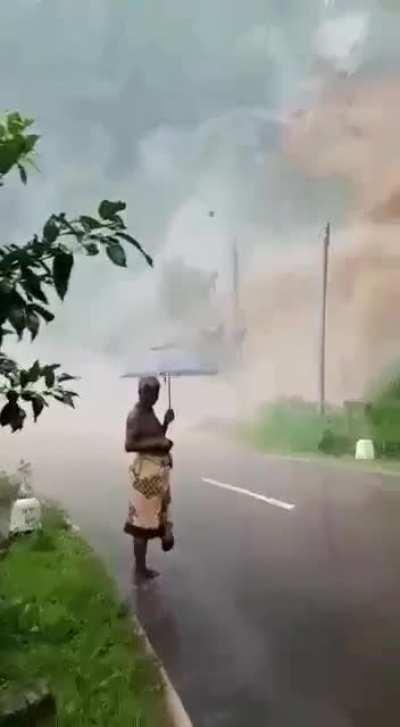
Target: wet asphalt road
(266, 616)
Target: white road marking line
(255, 495)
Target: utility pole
(236, 300)
(236, 333)
(322, 362)
(235, 260)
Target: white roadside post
(365, 449)
(26, 514)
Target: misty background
(276, 116)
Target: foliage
(384, 411)
(295, 426)
(336, 444)
(61, 622)
(16, 146)
(29, 272)
(386, 388)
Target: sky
(178, 108)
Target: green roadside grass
(291, 427)
(295, 429)
(61, 621)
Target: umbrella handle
(169, 391)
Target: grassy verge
(61, 621)
(293, 428)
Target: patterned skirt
(150, 501)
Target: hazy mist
(183, 108)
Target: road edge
(176, 711)
(373, 467)
(177, 715)
(349, 465)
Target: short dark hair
(148, 382)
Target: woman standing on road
(148, 515)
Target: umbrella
(172, 362)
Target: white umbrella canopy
(172, 362)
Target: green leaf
(135, 243)
(38, 247)
(7, 366)
(22, 174)
(33, 324)
(90, 223)
(11, 415)
(32, 286)
(118, 222)
(116, 253)
(108, 209)
(31, 163)
(15, 122)
(30, 142)
(17, 317)
(67, 398)
(17, 422)
(11, 150)
(92, 249)
(27, 395)
(51, 231)
(66, 377)
(12, 396)
(62, 267)
(38, 404)
(49, 377)
(43, 312)
(7, 414)
(24, 378)
(35, 372)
